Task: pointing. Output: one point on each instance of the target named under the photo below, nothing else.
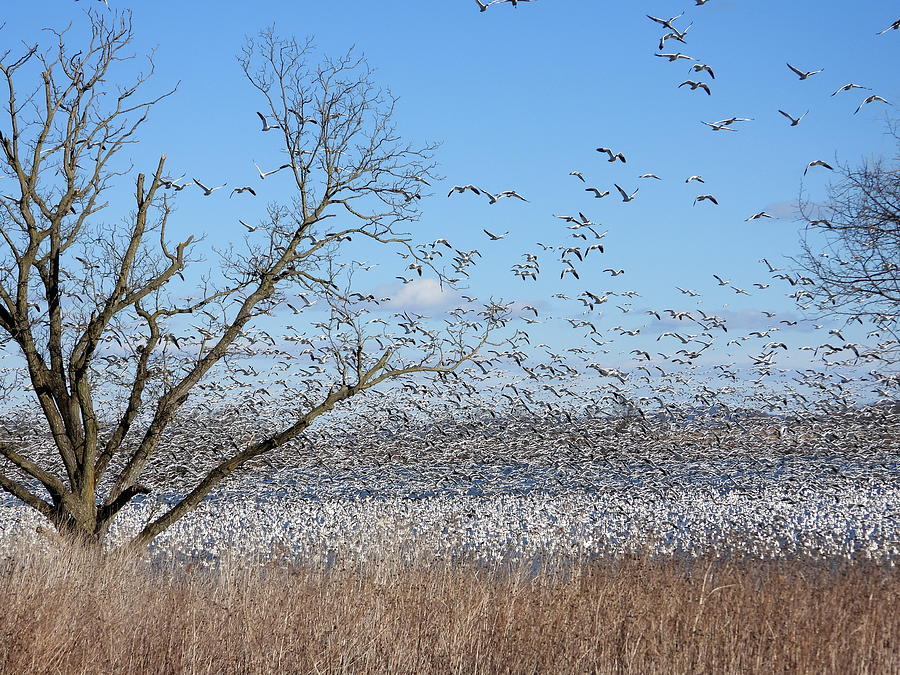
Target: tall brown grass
(62, 612)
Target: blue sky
(520, 97)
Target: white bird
(731, 120)
(893, 26)
(250, 229)
(462, 188)
(597, 193)
(794, 121)
(818, 162)
(871, 99)
(207, 191)
(804, 75)
(702, 67)
(578, 175)
(493, 199)
(625, 196)
(694, 85)
(666, 23)
(239, 190)
(569, 269)
(676, 56)
(699, 179)
(848, 87)
(495, 237)
(756, 216)
(613, 272)
(702, 198)
(301, 118)
(649, 175)
(612, 156)
(263, 174)
(717, 126)
(265, 125)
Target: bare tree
(112, 347)
(851, 246)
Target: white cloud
(423, 293)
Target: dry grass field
(63, 615)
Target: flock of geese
(629, 436)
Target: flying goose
(666, 23)
(848, 87)
(207, 191)
(756, 216)
(702, 198)
(597, 193)
(701, 67)
(263, 174)
(676, 56)
(804, 75)
(265, 125)
(613, 156)
(796, 121)
(625, 196)
(694, 85)
(893, 26)
(871, 99)
(818, 162)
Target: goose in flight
(818, 162)
(597, 193)
(702, 67)
(495, 237)
(893, 26)
(804, 75)
(493, 199)
(649, 175)
(263, 174)
(613, 156)
(625, 196)
(569, 269)
(462, 188)
(678, 37)
(699, 179)
(694, 85)
(239, 190)
(578, 175)
(731, 120)
(717, 126)
(871, 99)
(848, 87)
(207, 191)
(265, 125)
(250, 229)
(794, 120)
(676, 56)
(666, 23)
(706, 198)
(757, 216)
(301, 118)
(613, 272)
